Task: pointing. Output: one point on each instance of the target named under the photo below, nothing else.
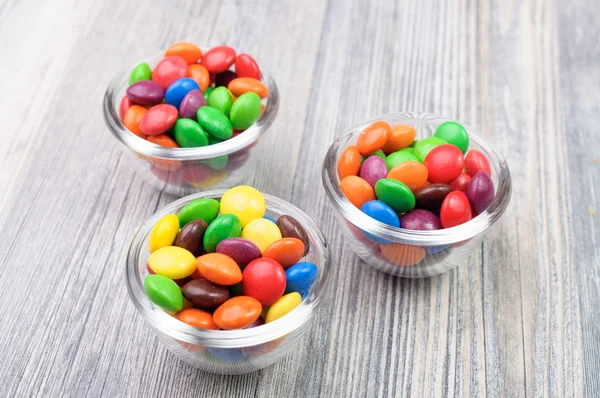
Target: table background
(519, 319)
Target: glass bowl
(229, 351)
(182, 171)
(409, 253)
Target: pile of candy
(426, 184)
(225, 265)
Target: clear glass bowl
(408, 253)
(182, 171)
(232, 351)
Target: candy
(245, 202)
(237, 313)
(430, 197)
(220, 99)
(453, 133)
(381, 212)
(261, 232)
(357, 190)
(194, 173)
(223, 227)
(159, 119)
(163, 140)
(400, 136)
(198, 318)
(204, 293)
(413, 174)
(461, 183)
(291, 228)
(191, 236)
(124, 105)
(286, 304)
(163, 292)
(214, 122)
(245, 111)
(164, 232)
(168, 70)
(300, 277)
(242, 85)
(145, 93)
(242, 251)
(286, 251)
(373, 138)
(402, 255)
(224, 78)
(132, 119)
(444, 163)
(179, 89)
(264, 280)
(419, 219)
(480, 192)
(189, 134)
(218, 59)
(172, 262)
(455, 209)
(349, 162)
(394, 159)
(190, 104)
(200, 76)
(200, 209)
(395, 194)
(208, 92)
(423, 147)
(219, 268)
(373, 169)
(246, 66)
(188, 51)
(475, 162)
(141, 72)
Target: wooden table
(520, 319)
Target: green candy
(217, 163)
(423, 147)
(214, 122)
(413, 144)
(220, 99)
(224, 226)
(395, 194)
(212, 140)
(189, 134)
(245, 111)
(379, 154)
(409, 149)
(140, 72)
(398, 157)
(164, 292)
(199, 209)
(207, 93)
(453, 133)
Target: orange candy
(241, 85)
(357, 190)
(373, 138)
(198, 318)
(163, 140)
(166, 141)
(132, 118)
(188, 51)
(219, 268)
(400, 136)
(200, 75)
(403, 255)
(286, 251)
(349, 162)
(237, 313)
(413, 174)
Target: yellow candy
(173, 262)
(245, 202)
(261, 232)
(216, 177)
(164, 232)
(284, 305)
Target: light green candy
(140, 72)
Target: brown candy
(205, 294)
(191, 237)
(430, 197)
(291, 228)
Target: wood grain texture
(518, 319)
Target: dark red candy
(444, 163)
(431, 196)
(191, 237)
(224, 78)
(168, 70)
(461, 183)
(145, 92)
(246, 66)
(218, 59)
(241, 250)
(190, 104)
(476, 162)
(455, 210)
(291, 228)
(203, 293)
(419, 219)
(480, 192)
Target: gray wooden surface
(519, 319)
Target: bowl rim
(174, 328)
(468, 230)
(146, 148)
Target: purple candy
(258, 322)
(373, 169)
(224, 78)
(242, 251)
(419, 219)
(191, 103)
(145, 92)
(480, 192)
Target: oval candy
(373, 138)
(245, 111)
(132, 119)
(349, 162)
(218, 59)
(286, 251)
(444, 163)
(168, 70)
(220, 99)
(124, 105)
(163, 292)
(189, 134)
(159, 119)
(264, 280)
(223, 227)
(214, 122)
(475, 162)
(401, 254)
(286, 304)
(179, 89)
(300, 277)
(395, 194)
(242, 85)
(173, 262)
(413, 174)
(237, 313)
(373, 169)
(242, 251)
(200, 76)
(453, 133)
(357, 190)
(163, 233)
(145, 92)
(430, 197)
(141, 72)
(400, 136)
(198, 318)
(421, 220)
(204, 293)
(246, 66)
(291, 228)
(205, 209)
(461, 183)
(261, 232)
(394, 159)
(245, 202)
(190, 52)
(455, 210)
(191, 235)
(423, 147)
(381, 212)
(480, 192)
(219, 268)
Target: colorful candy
(286, 304)
(163, 292)
(291, 228)
(245, 202)
(237, 313)
(173, 262)
(164, 232)
(373, 138)
(204, 293)
(264, 279)
(261, 232)
(480, 192)
(373, 169)
(242, 251)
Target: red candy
(168, 70)
(194, 173)
(218, 59)
(461, 183)
(455, 210)
(264, 279)
(159, 119)
(444, 163)
(246, 66)
(475, 162)
(123, 106)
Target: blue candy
(381, 212)
(300, 277)
(270, 219)
(227, 354)
(179, 89)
